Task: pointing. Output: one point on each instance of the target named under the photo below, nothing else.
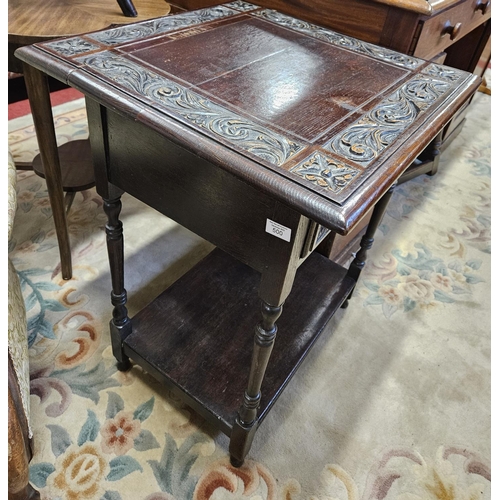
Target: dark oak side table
(263, 134)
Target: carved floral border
(361, 142)
(133, 32)
(194, 108)
(364, 140)
(334, 38)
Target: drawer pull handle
(452, 29)
(483, 6)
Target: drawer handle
(483, 6)
(451, 29)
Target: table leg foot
(236, 463)
(118, 334)
(124, 366)
(241, 442)
(246, 422)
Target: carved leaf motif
(72, 46)
(364, 140)
(161, 25)
(450, 74)
(240, 5)
(334, 38)
(326, 172)
(196, 109)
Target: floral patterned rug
(393, 402)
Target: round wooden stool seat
(77, 171)
(31, 22)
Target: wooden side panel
(400, 31)
(193, 192)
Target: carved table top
(324, 121)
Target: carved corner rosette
(70, 47)
(444, 72)
(325, 172)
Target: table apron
(190, 190)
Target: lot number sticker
(278, 230)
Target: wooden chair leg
(68, 200)
(20, 453)
(39, 96)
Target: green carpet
(392, 403)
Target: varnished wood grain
(409, 26)
(331, 13)
(31, 22)
(264, 70)
(395, 24)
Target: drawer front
(444, 29)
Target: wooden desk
(261, 133)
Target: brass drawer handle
(483, 6)
(451, 29)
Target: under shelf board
(197, 336)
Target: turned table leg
(120, 325)
(246, 421)
(39, 97)
(275, 286)
(367, 240)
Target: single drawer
(445, 28)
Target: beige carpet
(392, 403)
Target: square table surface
(323, 121)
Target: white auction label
(283, 232)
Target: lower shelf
(197, 336)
